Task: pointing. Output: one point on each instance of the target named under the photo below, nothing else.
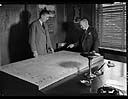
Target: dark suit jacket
(39, 38)
(88, 41)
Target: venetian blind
(112, 25)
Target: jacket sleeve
(96, 41)
(49, 44)
(76, 44)
(32, 32)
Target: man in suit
(89, 41)
(39, 36)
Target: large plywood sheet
(48, 69)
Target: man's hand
(71, 46)
(96, 54)
(35, 54)
(50, 50)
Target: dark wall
(59, 35)
(87, 10)
(14, 22)
(71, 29)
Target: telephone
(106, 90)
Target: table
(113, 76)
(37, 75)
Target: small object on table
(59, 45)
(106, 90)
(86, 82)
(110, 64)
(99, 72)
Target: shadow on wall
(19, 48)
(73, 32)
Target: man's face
(84, 24)
(45, 17)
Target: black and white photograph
(63, 49)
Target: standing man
(39, 36)
(89, 41)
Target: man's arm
(95, 41)
(32, 40)
(49, 44)
(73, 45)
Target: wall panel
(13, 31)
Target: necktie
(83, 36)
(43, 26)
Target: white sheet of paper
(48, 69)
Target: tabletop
(46, 70)
(112, 76)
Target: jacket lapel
(41, 28)
(88, 33)
(84, 36)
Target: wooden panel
(8, 17)
(13, 31)
(52, 25)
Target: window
(111, 25)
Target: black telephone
(106, 90)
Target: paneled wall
(60, 33)
(0, 56)
(7, 19)
(14, 22)
(87, 10)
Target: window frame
(98, 23)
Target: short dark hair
(43, 12)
